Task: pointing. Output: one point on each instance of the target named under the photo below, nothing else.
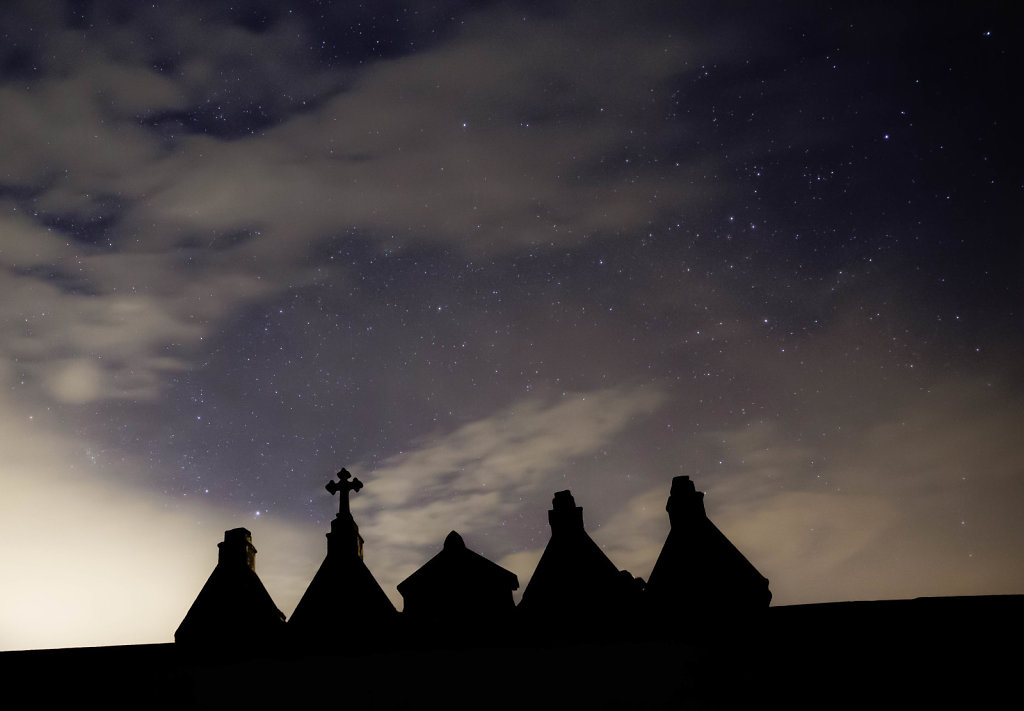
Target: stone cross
(344, 486)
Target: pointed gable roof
(698, 566)
(344, 603)
(233, 608)
(574, 576)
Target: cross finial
(344, 486)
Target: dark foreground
(923, 653)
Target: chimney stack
(237, 549)
(565, 515)
(685, 503)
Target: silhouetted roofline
(453, 555)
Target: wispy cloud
(908, 502)
(476, 478)
(465, 146)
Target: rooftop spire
(344, 536)
(343, 582)
(344, 486)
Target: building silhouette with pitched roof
(233, 608)
(554, 655)
(458, 582)
(575, 580)
(699, 570)
(344, 604)
(459, 595)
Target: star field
(477, 253)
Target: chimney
(565, 515)
(237, 549)
(685, 503)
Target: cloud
(635, 533)
(513, 450)
(88, 562)
(464, 145)
(476, 478)
(142, 316)
(75, 381)
(24, 243)
(168, 174)
(911, 501)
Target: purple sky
(480, 253)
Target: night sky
(479, 253)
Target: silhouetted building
(575, 582)
(233, 608)
(924, 652)
(459, 595)
(344, 605)
(699, 570)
